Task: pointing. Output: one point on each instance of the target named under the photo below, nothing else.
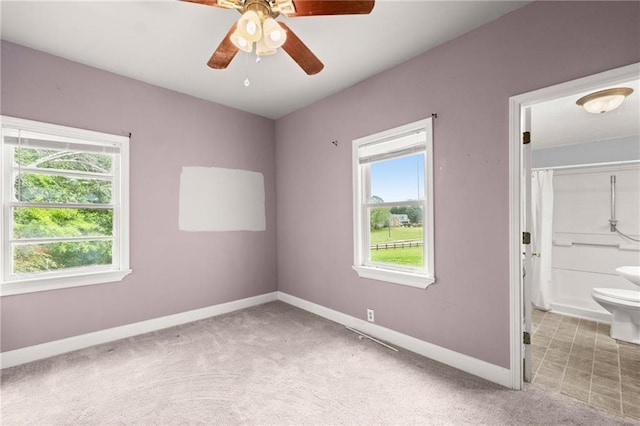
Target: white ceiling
(561, 122)
(167, 43)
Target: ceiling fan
(258, 26)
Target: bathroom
(585, 208)
(585, 174)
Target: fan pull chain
(246, 70)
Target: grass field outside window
(402, 256)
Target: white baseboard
(57, 347)
(457, 360)
(580, 312)
(491, 372)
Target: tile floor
(578, 358)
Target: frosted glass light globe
(604, 100)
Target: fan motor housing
(261, 7)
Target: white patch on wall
(216, 199)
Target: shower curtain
(541, 237)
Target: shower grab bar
(568, 243)
(613, 222)
(596, 244)
(620, 246)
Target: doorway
(519, 187)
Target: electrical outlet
(370, 316)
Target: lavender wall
(173, 271)
(468, 82)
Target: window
(65, 215)
(393, 205)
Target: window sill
(10, 288)
(396, 277)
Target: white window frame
(12, 284)
(388, 144)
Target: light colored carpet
(271, 364)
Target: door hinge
(526, 238)
(526, 138)
(526, 338)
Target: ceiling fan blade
(225, 52)
(300, 53)
(331, 7)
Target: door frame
(517, 106)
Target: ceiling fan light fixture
(240, 41)
(257, 24)
(249, 26)
(274, 35)
(604, 100)
(262, 49)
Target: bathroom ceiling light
(604, 100)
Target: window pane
(66, 221)
(38, 188)
(396, 235)
(63, 160)
(33, 222)
(57, 256)
(398, 179)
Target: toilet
(624, 306)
